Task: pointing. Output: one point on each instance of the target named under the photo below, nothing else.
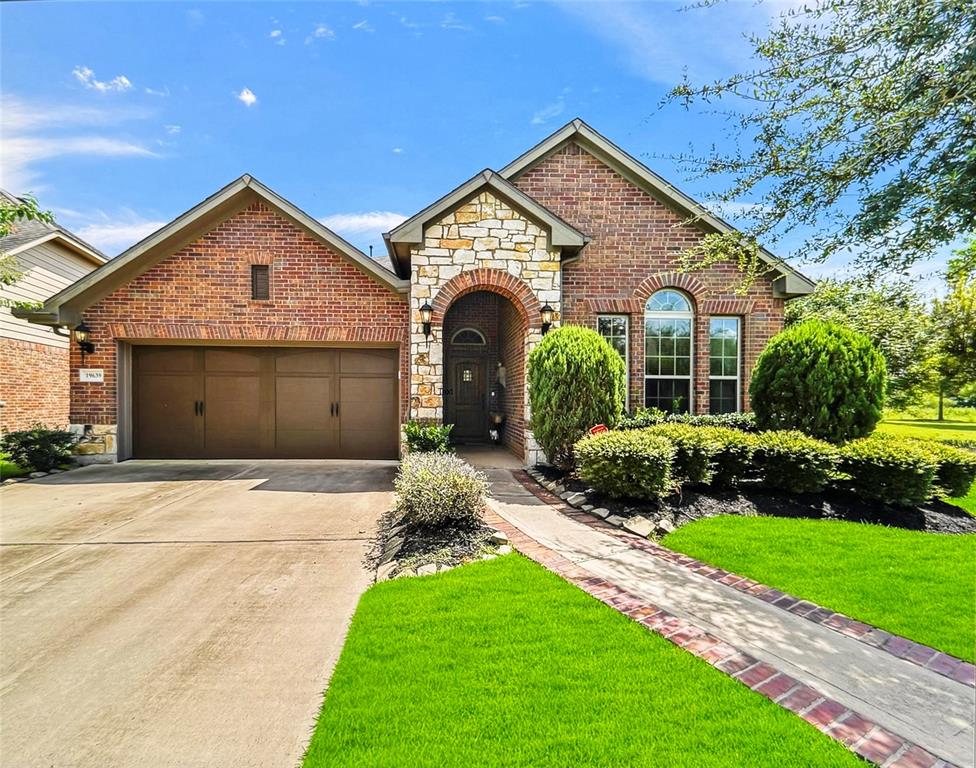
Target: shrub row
(649, 417)
(647, 462)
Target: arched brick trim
(680, 280)
(727, 306)
(494, 280)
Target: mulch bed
(690, 505)
(412, 546)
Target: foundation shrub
(38, 448)
(626, 464)
(695, 449)
(428, 438)
(434, 488)
(888, 468)
(794, 462)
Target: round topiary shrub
(576, 380)
(820, 378)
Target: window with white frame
(724, 368)
(668, 351)
(616, 330)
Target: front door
(465, 403)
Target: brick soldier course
(575, 225)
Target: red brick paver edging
(860, 735)
(901, 647)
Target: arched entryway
(484, 337)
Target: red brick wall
(512, 349)
(634, 237)
(33, 385)
(203, 292)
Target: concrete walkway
(178, 613)
(924, 707)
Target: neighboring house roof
(399, 239)
(66, 307)
(27, 234)
(789, 283)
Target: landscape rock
(559, 490)
(426, 569)
(385, 571)
(664, 527)
(392, 549)
(640, 525)
(13, 480)
(566, 495)
(616, 520)
(601, 512)
(499, 538)
(587, 507)
(35, 475)
(576, 500)
(505, 549)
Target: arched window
(668, 351)
(470, 336)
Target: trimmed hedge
(734, 460)
(821, 378)
(649, 417)
(428, 438)
(576, 380)
(432, 488)
(626, 464)
(888, 468)
(695, 449)
(957, 468)
(793, 461)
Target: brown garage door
(251, 402)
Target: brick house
(245, 328)
(34, 358)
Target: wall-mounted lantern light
(547, 313)
(426, 313)
(83, 339)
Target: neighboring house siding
(33, 385)
(47, 269)
(33, 359)
(202, 294)
(635, 237)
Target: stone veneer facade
(497, 249)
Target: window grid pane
(613, 328)
(723, 366)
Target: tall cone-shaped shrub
(820, 378)
(576, 380)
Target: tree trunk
(941, 397)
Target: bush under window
(38, 448)
(695, 447)
(794, 462)
(576, 380)
(820, 378)
(434, 488)
(626, 464)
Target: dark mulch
(934, 517)
(450, 544)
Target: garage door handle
(332, 409)
(196, 407)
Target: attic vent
(260, 282)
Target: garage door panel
(368, 361)
(166, 423)
(167, 359)
(368, 417)
(305, 425)
(305, 360)
(233, 416)
(231, 360)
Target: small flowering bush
(433, 488)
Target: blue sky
(120, 116)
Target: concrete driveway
(178, 613)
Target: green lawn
(503, 663)
(967, 502)
(930, 428)
(9, 469)
(920, 585)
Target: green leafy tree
(820, 378)
(13, 210)
(955, 321)
(857, 126)
(576, 380)
(893, 315)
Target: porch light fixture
(83, 339)
(547, 313)
(426, 314)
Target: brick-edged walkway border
(860, 735)
(901, 647)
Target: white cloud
(164, 91)
(450, 21)
(366, 221)
(323, 32)
(247, 97)
(398, 150)
(275, 33)
(113, 233)
(33, 132)
(173, 130)
(195, 17)
(548, 112)
(278, 36)
(495, 19)
(363, 26)
(86, 77)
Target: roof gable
(411, 231)
(66, 307)
(28, 234)
(789, 282)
